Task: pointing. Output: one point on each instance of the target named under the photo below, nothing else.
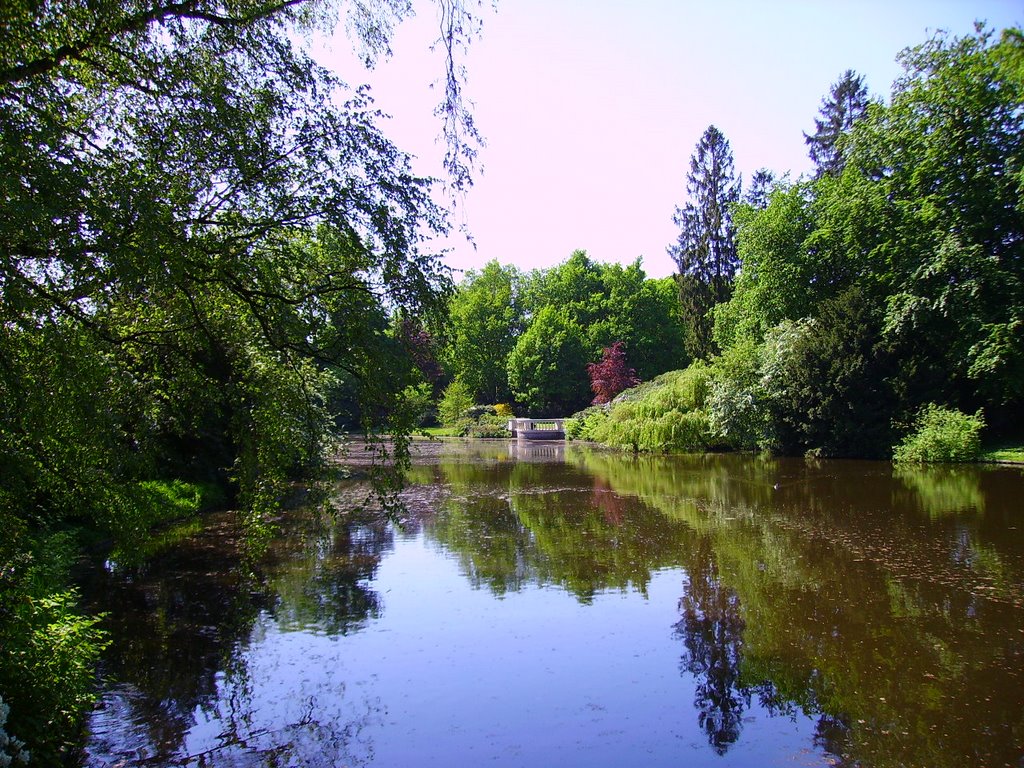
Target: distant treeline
(828, 310)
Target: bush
(664, 415)
(582, 424)
(485, 428)
(481, 421)
(504, 410)
(942, 434)
(737, 410)
(456, 400)
(48, 654)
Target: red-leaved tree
(611, 375)
(421, 347)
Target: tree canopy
(484, 320)
(205, 235)
(894, 281)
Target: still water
(549, 605)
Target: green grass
(1010, 453)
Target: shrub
(611, 376)
(482, 421)
(486, 428)
(582, 424)
(456, 400)
(418, 400)
(504, 410)
(667, 414)
(942, 434)
(48, 654)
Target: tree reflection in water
(712, 631)
(884, 611)
(190, 689)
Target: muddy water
(557, 605)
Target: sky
(591, 109)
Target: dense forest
(213, 267)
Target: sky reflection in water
(575, 607)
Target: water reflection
(894, 617)
(712, 631)
(546, 523)
(183, 686)
(880, 613)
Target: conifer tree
(705, 252)
(846, 103)
(760, 187)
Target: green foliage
(489, 424)
(186, 226)
(610, 303)
(547, 368)
(456, 400)
(493, 311)
(941, 434)
(778, 279)
(46, 673)
(665, 415)
(136, 509)
(705, 251)
(418, 400)
(825, 381)
(581, 423)
(846, 103)
(941, 244)
(737, 403)
(485, 318)
(48, 649)
(887, 281)
(481, 421)
(200, 239)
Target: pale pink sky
(592, 108)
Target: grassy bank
(1007, 454)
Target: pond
(549, 604)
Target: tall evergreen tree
(846, 103)
(761, 184)
(705, 252)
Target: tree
(644, 315)
(201, 230)
(457, 399)
(705, 252)
(611, 376)
(485, 319)
(761, 184)
(546, 370)
(611, 302)
(846, 103)
(422, 347)
(781, 275)
(932, 200)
